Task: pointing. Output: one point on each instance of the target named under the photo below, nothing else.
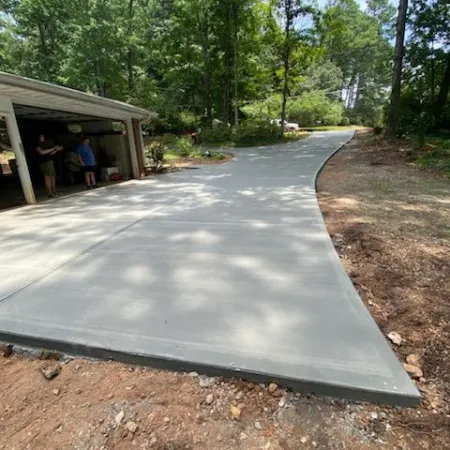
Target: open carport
(29, 108)
(226, 270)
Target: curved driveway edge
(227, 270)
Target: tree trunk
(349, 92)
(359, 87)
(236, 60)
(443, 92)
(203, 31)
(286, 58)
(130, 48)
(207, 81)
(394, 107)
(433, 74)
(228, 56)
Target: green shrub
(267, 109)
(157, 152)
(257, 132)
(167, 139)
(315, 107)
(184, 147)
(188, 119)
(218, 155)
(217, 134)
(438, 158)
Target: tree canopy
(194, 61)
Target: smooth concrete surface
(228, 269)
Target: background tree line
(197, 61)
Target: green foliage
(267, 109)
(157, 152)
(218, 134)
(196, 61)
(427, 70)
(256, 132)
(315, 108)
(310, 108)
(220, 156)
(435, 155)
(323, 75)
(184, 147)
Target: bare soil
(388, 220)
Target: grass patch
(259, 141)
(382, 187)
(435, 154)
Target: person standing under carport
(47, 165)
(88, 163)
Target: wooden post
(139, 146)
(7, 109)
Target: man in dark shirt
(46, 152)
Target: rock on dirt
(119, 417)
(273, 388)
(206, 382)
(131, 426)
(235, 412)
(395, 338)
(413, 359)
(45, 355)
(209, 399)
(51, 371)
(415, 371)
(6, 350)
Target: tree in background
(430, 48)
(358, 42)
(196, 62)
(394, 107)
(290, 12)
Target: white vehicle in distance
(288, 126)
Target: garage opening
(10, 188)
(108, 139)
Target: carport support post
(19, 153)
(132, 145)
(140, 147)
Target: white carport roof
(25, 91)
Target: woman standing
(46, 164)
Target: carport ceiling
(31, 112)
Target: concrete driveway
(226, 269)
